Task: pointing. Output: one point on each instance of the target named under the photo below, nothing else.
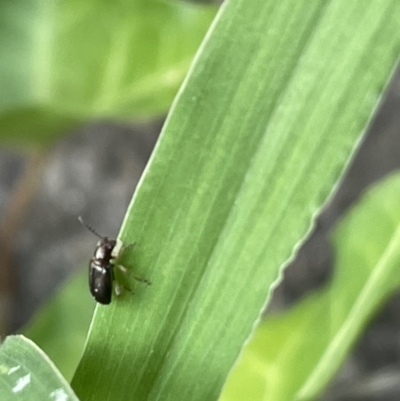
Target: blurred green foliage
(293, 355)
(256, 141)
(66, 62)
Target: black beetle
(101, 268)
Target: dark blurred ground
(90, 172)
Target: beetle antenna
(91, 229)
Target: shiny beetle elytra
(101, 269)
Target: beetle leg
(119, 289)
(128, 246)
(124, 270)
(121, 268)
(142, 280)
(124, 248)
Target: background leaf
(60, 327)
(69, 61)
(27, 374)
(259, 135)
(293, 355)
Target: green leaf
(293, 355)
(262, 129)
(26, 373)
(272, 365)
(61, 326)
(69, 61)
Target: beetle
(101, 268)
